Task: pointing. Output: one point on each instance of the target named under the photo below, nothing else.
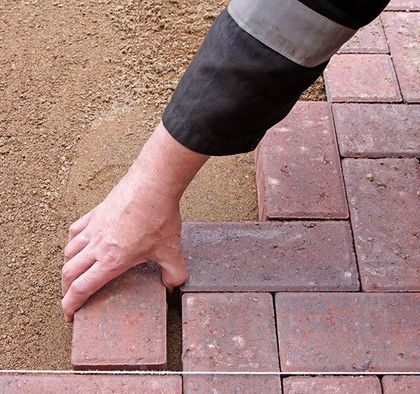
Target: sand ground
(82, 85)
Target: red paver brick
(123, 326)
(247, 384)
(384, 205)
(269, 256)
(401, 384)
(332, 384)
(377, 130)
(339, 332)
(369, 39)
(298, 167)
(402, 31)
(361, 78)
(229, 332)
(403, 5)
(89, 384)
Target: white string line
(186, 373)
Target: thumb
(174, 270)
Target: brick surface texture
(384, 200)
(229, 332)
(332, 384)
(298, 167)
(377, 130)
(361, 78)
(336, 332)
(369, 39)
(89, 384)
(246, 384)
(270, 256)
(403, 5)
(401, 384)
(123, 326)
(402, 31)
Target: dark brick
(401, 384)
(361, 78)
(298, 167)
(384, 200)
(339, 332)
(246, 384)
(402, 31)
(229, 332)
(377, 130)
(269, 256)
(332, 384)
(89, 384)
(369, 39)
(123, 326)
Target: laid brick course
(401, 384)
(246, 384)
(228, 332)
(269, 256)
(369, 39)
(339, 332)
(332, 384)
(123, 326)
(361, 78)
(104, 384)
(298, 168)
(403, 5)
(402, 31)
(377, 130)
(384, 197)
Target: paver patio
(328, 281)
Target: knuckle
(72, 229)
(67, 252)
(66, 273)
(111, 257)
(78, 289)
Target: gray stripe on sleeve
(291, 29)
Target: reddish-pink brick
(369, 39)
(123, 326)
(402, 31)
(407, 384)
(377, 130)
(339, 332)
(89, 384)
(269, 256)
(361, 78)
(228, 332)
(243, 384)
(384, 205)
(298, 167)
(403, 5)
(332, 384)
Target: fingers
(174, 270)
(75, 245)
(75, 267)
(98, 275)
(79, 225)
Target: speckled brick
(298, 167)
(269, 256)
(377, 130)
(89, 384)
(402, 31)
(332, 384)
(246, 384)
(361, 78)
(384, 198)
(229, 332)
(407, 384)
(403, 5)
(369, 39)
(123, 326)
(348, 332)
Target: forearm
(165, 166)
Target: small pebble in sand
(369, 177)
